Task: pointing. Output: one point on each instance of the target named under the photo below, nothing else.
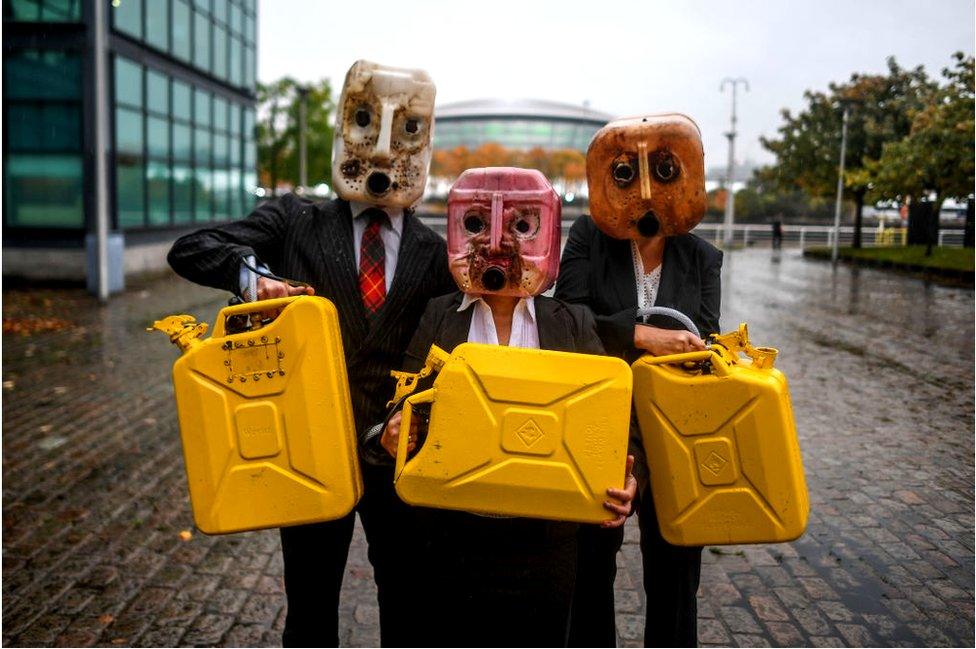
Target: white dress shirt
(525, 329)
(390, 233)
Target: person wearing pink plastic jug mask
(508, 580)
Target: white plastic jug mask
(382, 147)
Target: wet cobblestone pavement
(881, 372)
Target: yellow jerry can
(265, 417)
(518, 432)
(721, 445)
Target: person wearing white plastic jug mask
(379, 265)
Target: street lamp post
(302, 152)
(730, 174)
(840, 185)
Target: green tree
(935, 159)
(279, 105)
(808, 146)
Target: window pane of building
(41, 74)
(219, 9)
(38, 127)
(127, 17)
(42, 10)
(201, 41)
(157, 24)
(158, 137)
(202, 200)
(220, 114)
(181, 101)
(235, 120)
(236, 199)
(182, 194)
(182, 143)
(220, 52)
(181, 30)
(221, 150)
(234, 19)
(249, 28)
(202, 107)
(202, 5)
(157, 93)
(236, 60)
(128, 82)
(201, 148)
(130, 191)
(44, 191)
(221, 187)
(249, 71)
(128, 131)
(157, 177)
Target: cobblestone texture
(881, 372)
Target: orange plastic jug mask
(381, 151)
(646, 176)
(503, 227)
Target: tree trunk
(858, 216)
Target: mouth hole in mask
(378, 183)
(493, 279)
(648, 225)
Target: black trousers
(315, 560)
(671, 577)
(496, 582)
(593, 623)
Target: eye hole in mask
(664, 166)
(474, 223)
(623, 172)
(362, 117)
(412, 126)
(526, 224)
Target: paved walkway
(99, 547)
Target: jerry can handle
(249, 308)
(719, 364)
(671, 313)
(427, 396)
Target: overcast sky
(622, 57)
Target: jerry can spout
(183, 330)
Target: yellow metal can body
(721, 448)
(266, 421)
(520, 432)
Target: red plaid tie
(372, 268)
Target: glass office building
(180, 129)
(523, 124)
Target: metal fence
(803, 235)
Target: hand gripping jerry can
(721, 445)
(265, 417)
(518, 432)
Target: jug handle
(249, 308)
(719, 364)
(427, 396)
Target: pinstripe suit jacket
(312, 242)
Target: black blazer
(312, 242)
(598, 271)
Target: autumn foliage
(565, 164)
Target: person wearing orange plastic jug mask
(379, 265)
(508, 580)
(647, 191)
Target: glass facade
(43, 165)
(45, 11)
(217, 37)
(514, 133)
(183, 154)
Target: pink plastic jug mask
(503, 228)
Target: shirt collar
(527, 303)
(395, 213)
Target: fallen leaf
(186, 535)
(60, 389)
(46, 428)
(149, 421)
(119, 641)
(106, 619)
(8, 385)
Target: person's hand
(621, 500)
(390, 440)
(268, 289)
(662, 342)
